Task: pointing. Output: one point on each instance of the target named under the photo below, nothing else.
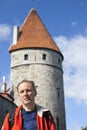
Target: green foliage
(84, 128)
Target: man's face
(26, 93)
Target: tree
(84, 128)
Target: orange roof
(33, 34)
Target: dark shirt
(29, 120)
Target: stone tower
(35, 56)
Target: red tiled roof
(33, 34)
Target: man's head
(27, 92)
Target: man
(29, 116)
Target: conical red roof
(33, 34)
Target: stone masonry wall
(47, 75)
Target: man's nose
(25, 92)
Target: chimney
(4, 85)
(15, 34)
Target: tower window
(58, 92)
(44, 57)
(35, 58)
(58, 61)
(57, 122)
(26, 57)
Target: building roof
(33, 34)
(7, 96)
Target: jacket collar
(40, 110)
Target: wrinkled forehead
(25, 85)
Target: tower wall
(44, 67)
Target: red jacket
(42, 122)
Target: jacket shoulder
(42, 111)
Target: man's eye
(28, 90)
(22, 91)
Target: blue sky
(66, 21)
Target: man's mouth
(26, 99)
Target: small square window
(44, 56)
(26, 57)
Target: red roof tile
(33, 34)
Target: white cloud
(74, 23)
(5, 32)
(75, 126)
(74, 66)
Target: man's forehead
(24, 85)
